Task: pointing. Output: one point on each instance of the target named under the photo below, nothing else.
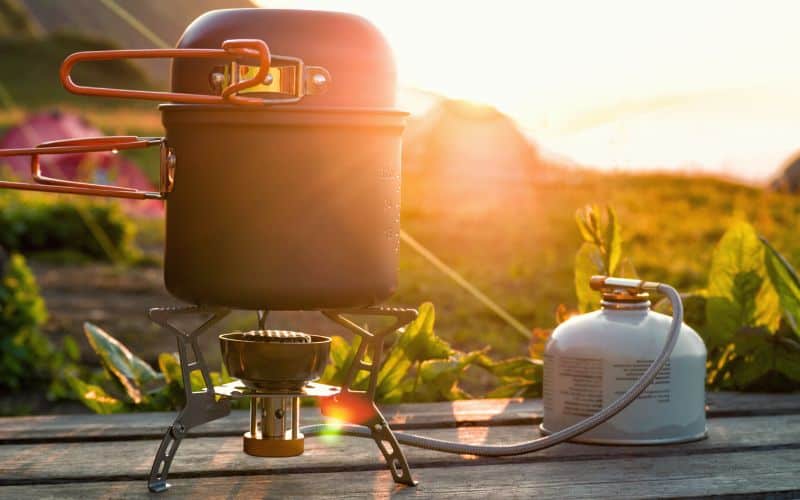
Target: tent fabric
(100, 167)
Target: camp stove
(275, 369)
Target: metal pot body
(592, 359)
(283, 209)
(281, 162)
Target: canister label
(581, 387)
(626, 374)
(585, 387)
(670, 408)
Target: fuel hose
(521, 448)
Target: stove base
(214, 402)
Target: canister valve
(611, 284)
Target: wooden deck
(753, 450)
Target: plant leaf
(415, 344)
(95, 398)
(519, 377)
(786, 283)
(438, 378)
(135, 375)
(739, 291)
(419, 341)
(341, 357)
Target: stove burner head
(283, 336)
(274, 361)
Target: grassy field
(521, 251)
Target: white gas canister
(592, 359)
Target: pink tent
(101, 168)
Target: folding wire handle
(88, 145)
(300, 80)
(229, 95)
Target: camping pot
(281, 173)
(591, 359)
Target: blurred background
(679, 116)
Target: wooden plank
(32, 463)
(744, 473)
(68, 428)
(738, 404)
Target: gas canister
(592, 359)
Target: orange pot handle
(235, 49)
(87, 145)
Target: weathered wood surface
(206, 456)
(755, 452)
(748, 473)
(67, 428)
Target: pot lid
(354, 60)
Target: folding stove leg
(373, 342)
(201, 406)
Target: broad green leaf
(135, 375)
(787, 363)
(588, 262)
(739, 291)
(417, 343)
(786, 283)
(518, 377)
(95, 398)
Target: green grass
(520, 251)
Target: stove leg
(201, 406)
(395, 458)
(373, 341)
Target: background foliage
(747, 315)
(28, 359)
(67, 229)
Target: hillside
(470, 154)
(30, 71)
(92, 18)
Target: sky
(710, 85)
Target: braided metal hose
(546, 441)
